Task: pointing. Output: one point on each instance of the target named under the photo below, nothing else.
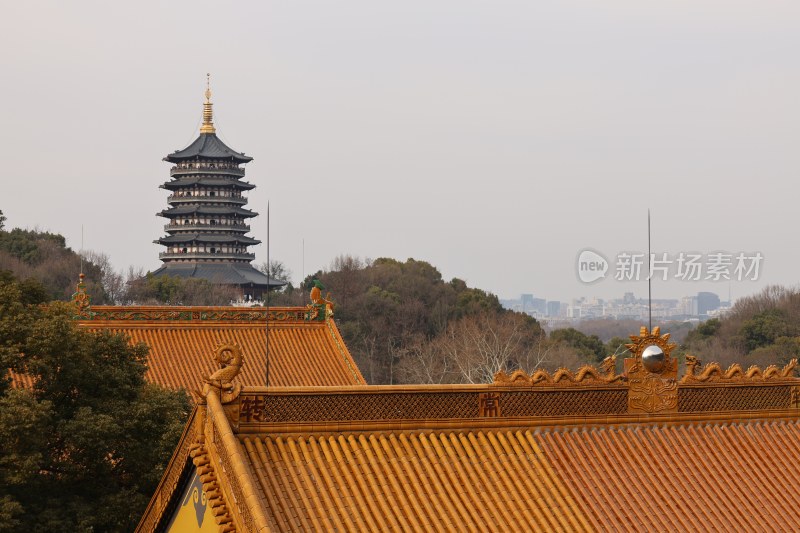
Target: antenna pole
(269, 267)
(649, 276)
(81, 249)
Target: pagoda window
(213, 250)
(186, 221)
(213, 222)
(183, 251)
(213, 193)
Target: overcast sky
(492, 139)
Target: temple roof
(583, 451)
(207, 146)
(206, 237)
(189, 181)
(240, 274)
(182, 340)
(207, 210)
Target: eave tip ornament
(320, 308)
(82, 301)
(229, 358)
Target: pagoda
(207, 229)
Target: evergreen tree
(85, 447)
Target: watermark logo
(591, 266)
(684, 266)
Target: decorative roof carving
(82, 301)
(652, 373)
(586, 375)
(320, 308)
(712, 372)
(191, 314)
(208, 477)
(229, 359)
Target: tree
(84, 449)
(2, 220)
(473, 349)
(277, 270)
(174, 290)
(588, 345)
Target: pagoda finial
(208, 114)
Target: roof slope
(731, 474)
(641, 478)
(208, 145)
(411, 481)
(241, 274)
(182, 340)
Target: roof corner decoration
(220, 383)
(586, 375)
(712, 372)
(320, 308)
(208, 114)
(82, 301)
(652, 373)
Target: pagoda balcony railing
(240, 200)
(175, 171)
(191, 256)
(197, 226)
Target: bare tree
(475, 348)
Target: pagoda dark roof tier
(240, 274)
(189, 181)
(208, 146)
(206, 210)
(207, 237)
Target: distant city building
(553, 309)
(706, 301)
(527, 301)
(207, 221)
(539, 305)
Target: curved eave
(207, 146)
(206, 210)
(211, 182)
(204, 237)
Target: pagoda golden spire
(208, 113)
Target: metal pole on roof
(649, 276)
(267, 301)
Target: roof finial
(208, 114)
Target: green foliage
(588, 345)
(764, 328)
(84, 449)
(616, 346)
(46, 257)
(2, 220)
(27, 245)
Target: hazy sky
(492, 139)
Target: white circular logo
(591, 266)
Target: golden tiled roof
(591, 450)
(182, 341)
(726, 475)
(410, 481)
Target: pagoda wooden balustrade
(199, 225)
(175, 171)
(206, 255)
(203, 198)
